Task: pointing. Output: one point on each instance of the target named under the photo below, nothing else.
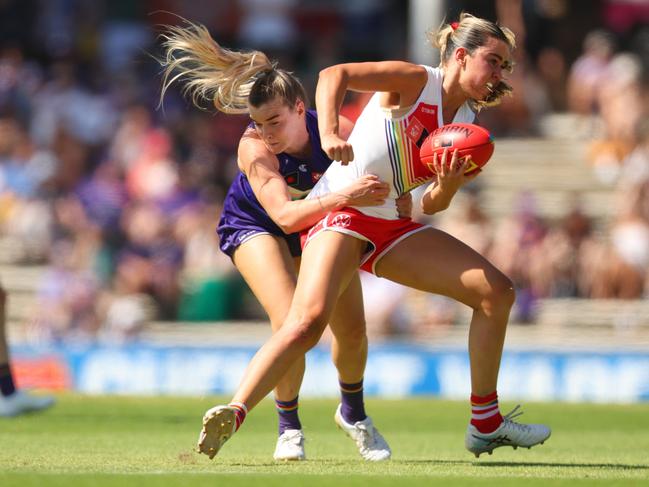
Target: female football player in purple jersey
(280, 160)
(408, 101)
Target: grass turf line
(88, 440)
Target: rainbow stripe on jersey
(404, 137)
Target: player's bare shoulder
(253, 150)
(407, 80)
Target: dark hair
(277, 83)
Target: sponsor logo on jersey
(245, 235)
(302, 168)
(416, 131)
(315, 177)
(341, 220)
(291, 178)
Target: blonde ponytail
(209, 71)
(440, 40)
(472, 32)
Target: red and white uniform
(387, 146)
(386, 143)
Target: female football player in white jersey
(410, 102)
(280, 160)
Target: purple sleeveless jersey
(243, 217)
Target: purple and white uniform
(244, 218)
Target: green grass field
(129, 441)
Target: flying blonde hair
(229, 80)
(472, 32)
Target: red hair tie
(454, 25)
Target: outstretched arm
(261, 167)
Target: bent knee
(304, 337)
(305, 333)
(500, 294)
(505, 292)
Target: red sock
(485, 413)
(240, 411)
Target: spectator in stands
(64, 104)
(24, 216)
(151, 260)
(103, 197)
(153, 174)
(557, 270)
(589, 71)
(552, 70)
(621, 108)
(269, 23)
(18, 82)
(70, 288)
(635, 170)
(630, 243)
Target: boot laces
(365, 437)
(510, 416)
(291, 438)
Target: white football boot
(290, 446)
(371, 445)
(21, 402)
(509, 433)
(219, 424)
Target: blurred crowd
(119, 195)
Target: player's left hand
(404, 205)
(451, 177)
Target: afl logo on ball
(341, 220)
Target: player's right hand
(337, 149)
(367, 190)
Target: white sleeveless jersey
(388, 146)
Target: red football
(470, 140)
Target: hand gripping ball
(470, 140)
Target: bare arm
(346, 127)
(435, 200)
(450, 178)
(405, 80)
(262, 170)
